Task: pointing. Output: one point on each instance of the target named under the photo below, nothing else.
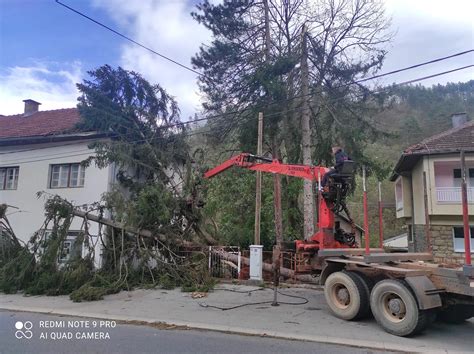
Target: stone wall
(419, 240)
(442, 244)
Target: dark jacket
(341, 156)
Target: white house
(433, 165)
(42, 151)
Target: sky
(46, 49)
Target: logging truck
(405, 292)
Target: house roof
(399, 242)
(42, 123)
(450, 141)
(455, 139)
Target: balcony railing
(452, 195)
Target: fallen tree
(141, 232)
(131, 258)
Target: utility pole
(267, 32)
(258, 192)
(308, 198)
(468, 269)
(276, 180)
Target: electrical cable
(288, 99)
(239, 291)
(201, 74)
(303, 302)
(415, 66)
(129, 39)
(310, 94)
(270, 114)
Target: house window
(457, 177)
(67, 176)
(9, 177)
(69, 248)
(458, 238)
(399, 194)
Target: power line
(129, 39)
(433, 75)
(416, 66)
(288, 99)
(201, 74)
(247, 109)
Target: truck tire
(395, 308)
(456, 314)
(368, 284)
(347, 295)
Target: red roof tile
(456, 139)
(41, 123)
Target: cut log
(285, 272)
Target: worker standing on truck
(340, 157)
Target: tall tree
(146, 144)
(345, 41)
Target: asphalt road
(61, 334)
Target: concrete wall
(34, 170)
(406, 192)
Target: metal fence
(222, 268)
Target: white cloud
(426, 29)
(52, 84)
(166, 27)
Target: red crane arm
(246, 160)
(324, 237)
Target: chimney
(459, 119)
(31, 107)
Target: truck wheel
(346, 295)
(396, 310)
(456, 314)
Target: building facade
(42, 151)
(428, 192)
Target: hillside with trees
(410, 114)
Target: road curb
(172, 324)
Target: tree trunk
(141, 232)
(308, 198)
(285, 272)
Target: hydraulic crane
(332, 202)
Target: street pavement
(311, 321)
(124, 338)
